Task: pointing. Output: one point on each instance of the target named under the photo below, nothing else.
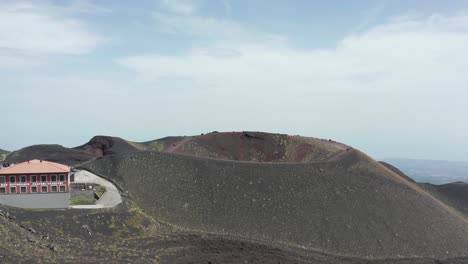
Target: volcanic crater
(301, 199)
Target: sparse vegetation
(101, 190)
(82, 201)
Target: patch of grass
(58, 230)
(82, 201)
(136, 221)
(101, 191)
(113, 223)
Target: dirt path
(109, 199)
(177, 144)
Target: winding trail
(177, 144)
(110, 198)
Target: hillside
(55, 153)
(396, 171)
(3, 154)
(126, 235)
(244, 146)
(100, 146)
(348, 205)
(242, 196)
(251, 146)
(454, 194)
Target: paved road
(109, 199)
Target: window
(23, 178)
(53, 178)
(62, 177)
(62, 188)
(43, 178)
(54, 188)
(33, 178)
(34, 189)
(23, 189)
(2, 179)
(44, 189)
(12, 179)
(2, 190)
(12, 189)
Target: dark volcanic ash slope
(55, 153)
(250, 146)
(125, 235)
(104, 146)
(349, 205)
(245, 146)
(454, 194)
(18, 244)
(397, 171)
(98, 146)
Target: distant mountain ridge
(432, 171)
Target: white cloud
(183, 7)
(29, 31)
(376, 89)
(407, 49)
(87, 7)
(371, 17)
(17, 60)
(227, 7)
(33, 29)
(198, 26)
(410, 69)
(194, 25)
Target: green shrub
(101, 191)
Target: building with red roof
(35, 184)
(35, 177)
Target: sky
(386, 77)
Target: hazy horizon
(386, 77)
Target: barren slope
(245, 146)
(55, 153)
(350, 205)
(125, 235)
(104, 146)
(250, 146)
(396, 170)
(454, 194)
(19, 243)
